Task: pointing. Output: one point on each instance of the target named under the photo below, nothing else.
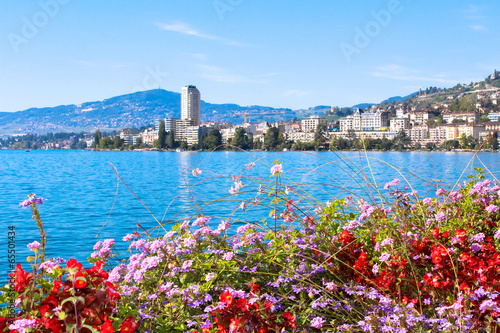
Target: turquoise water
(84, 194)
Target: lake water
(85, 197)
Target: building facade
(309, 124)
(191, 104)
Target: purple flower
(317, 322)
(478, 238)
(475, 247)
(487, 304)
(385, 256)
(492, 209)
(440, 191)
(31, 200)
(228, 256)
(497, 234)
(441, 216)
(35, 246)
(22, 324)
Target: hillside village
(462, 117)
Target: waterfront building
(181, 129)
(417, 134)
(398, 124)
(127, 137)
(170, 124)
(455, 131)
(191, 104)
(437, 134)
(370, 121)
(149, 136)
(299, 136)
(312, 122)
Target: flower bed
(399, 264)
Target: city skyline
(298, 55)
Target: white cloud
(186, 29)
(401, 73)
(479, 27)
(296, 93)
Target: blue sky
(279, 53)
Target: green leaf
(30, 258)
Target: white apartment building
(417, 133)
(170, 124)
(191, 104)
(149, 135)
(437, 134)
(373, 121)
(312, 122)
(468, 117)
(181, 129)
(455, 131)
(299, 136)
(418, 117)
(398, 124)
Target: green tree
(106, 143)
(240, 139)
(212, 140)
(97, 138)
(117, 142)
(271, 138)
(161, 135)
(171, 143)
(138, 142)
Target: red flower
(80, 280)
(54, 325)
(57, 286)
(227, 297)
(72, 263)
(129, 325)
(435, 233)
(235, 323)
(461, 234)
(3, 323)
(22, 278)
(243, 305)
(107, 327)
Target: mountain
(132, 110)
(398, 98)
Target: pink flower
(243, 205)
(228, 256)
(393, 183)
(440, 191)
(250, 165)
(196, 172)
(276, 169)
(492, 209)
(35, 246)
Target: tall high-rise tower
(191, 104)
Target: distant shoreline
(259, 150)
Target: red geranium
(22, 278)
(129, 325)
